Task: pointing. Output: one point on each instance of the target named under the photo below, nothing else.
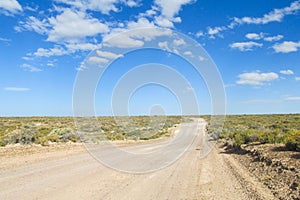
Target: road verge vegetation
(49, 130)
(262, 129)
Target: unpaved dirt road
(61, 175)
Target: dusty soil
(61, 174)
(274, 166)
(17, 155)
(69, 172)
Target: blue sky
(43, 44)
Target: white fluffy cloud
(256, 78)
(201, 58)
(254, 36)
(73, 47)
(97, 60)
(171, 8)
(275, 15)
(215, 30)
(286, 47)
(72, 28)
(109, 55)
(179, 42)
(130, 39)
(16, 89)
(245, 46)
(8, 7)
(164, 45)
(188, 53)
(273, 38)
(74, 25)
(147, 35)
(140, 23)
(168, 12)
(163, 22)
(30, 68)
(199, 34)
(292, 99)
(82, 67)
(132, 3)
(122, 41)
(287, 72)
(56, 51)
(4, 39)
(133, 38)
(100, 59)
(69, 26)
(33, 24)
(260, 36)
(104, 6)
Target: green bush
(239, 139)
(116, 136)
(25, 135)
(73, 137)
(52, 138)
(2, 143)
(243, 129)
(293, 141)
(48, 138)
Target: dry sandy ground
(69, 172)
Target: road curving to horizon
(61, 175)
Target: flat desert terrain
(68, 171)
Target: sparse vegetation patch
(265, 129)
(46, 130)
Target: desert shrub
(25, 135)
(116, 136)
(89, 128)
(271, 136)
(293, 141)
(2, 143)
(72, 137)
(252, 137)
(65, 134)
(44, 131)
(168, 123)
(239, 139)
(106, 127)
(243, 129)
(41, 133)
(52, 138)
(61, 131)
(133, 134)
(223, 135)
(152, 136)
(48, 138)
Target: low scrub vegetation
(244, 129)
(38, 130)
(46, 130)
